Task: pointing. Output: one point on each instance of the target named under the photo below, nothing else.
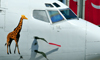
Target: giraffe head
(23, 16)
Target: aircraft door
(2, 14)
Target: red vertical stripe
(73, 6)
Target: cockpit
(53, 14)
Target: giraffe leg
(15, 49)
(9, 45)
(8, 42)
(9, 49)
(17, 46)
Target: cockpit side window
(55, 16)
(68, 14)
(40, 15)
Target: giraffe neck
(18, 28)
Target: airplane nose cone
(92, 38)
(92, 41)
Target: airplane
(45, 30)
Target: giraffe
(15, 35)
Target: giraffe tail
(5, 44)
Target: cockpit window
(68, 14)
(55, 16)
(55, 4)
(48, 5)
(40, 15)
